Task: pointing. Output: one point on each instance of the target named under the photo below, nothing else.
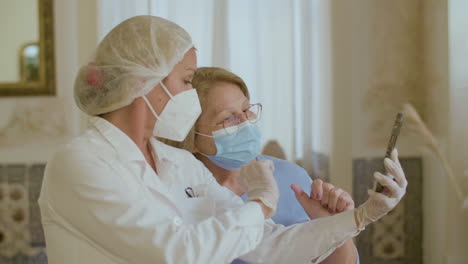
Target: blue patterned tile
(2, 176)
(36, 173)
(28, 180)
(15, 173)
(41, 258)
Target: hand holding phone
(391, 144)
(380, 202)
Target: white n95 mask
(178, 116)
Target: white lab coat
(102, 203)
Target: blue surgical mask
(235, 149)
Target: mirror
(27, 65)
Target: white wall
(74, 36)
(342, 69)
(18, 26)
(420, 45)
(374, 46)
(457, 222)
(446, 80)
(437, 111)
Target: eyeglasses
(231, 124)
(251, 114)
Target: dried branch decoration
(416, 125)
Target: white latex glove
(379, 204)
(257, 178)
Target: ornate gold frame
(46, 84)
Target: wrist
(265, 209)
(361, 218)
(315, 214)
(356, 220)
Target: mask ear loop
(150, 107)
(205, 135)
(204, 154)
(166, 90)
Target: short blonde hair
(204, 79)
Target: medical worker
(117, 195)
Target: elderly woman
(117, 195)
(225, 100)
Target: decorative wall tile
(15, 173)
(21, 235)
(397, 237)
(36, 173)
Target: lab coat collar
(164, 152)
(129, 152)
(166, 159)
(123, 144)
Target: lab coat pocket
(197, 209)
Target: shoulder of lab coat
(97, 196)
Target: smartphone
(391, 143)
